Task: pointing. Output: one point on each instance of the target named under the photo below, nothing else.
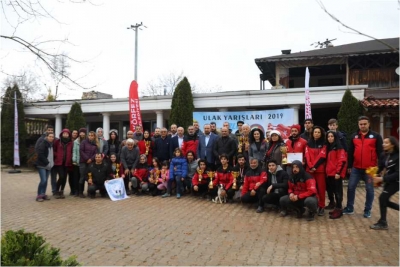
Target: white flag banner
(16, 132)
(307, 108)
(116, 189)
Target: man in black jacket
(275, 187)
(308, 127)
(162, 146)
(98, 173)
(224, 145)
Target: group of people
(248, 165)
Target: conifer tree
(348, 114)
(75, 118)
(182, 106)
(7, 127)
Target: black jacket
(100, 172)
(43, 153)
(161, 148)
(391, 163)
(281, 184)
(224, 145)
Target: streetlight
(135, 28)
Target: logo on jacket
(356, 136)
(371, 136)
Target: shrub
(19, 248)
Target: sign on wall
(277, 119)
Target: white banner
(307, 108)
(116, 189)
(277, 119)
(16, 132)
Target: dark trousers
(203, 189)
(71, 180)
(153, 189)
(92, 190)
(247, 198)
(187, 183)
(178, 182)
(230, 192)
(336, 187)
(271, 198)
(62, 177)
(330, 189)
(384, 203)
(75, 180)
(309, 202)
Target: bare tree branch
(352, 29)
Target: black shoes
(311, 216)
(380, 225)
(260, 209)
(283, 213)
(300, 212)
(321, 211)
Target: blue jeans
(355, 176)
(178, 184)
(44, 176)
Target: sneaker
(81, 195)
(260, 209)
(165, 195)
(178, 196)
(380, 226)
(321, 212)
(348, 211)
(330, 206)
(39, 199)
(46, 197)
(367, 214)
(311, 216)
(336, 214)
(283, 213)
(57, 195)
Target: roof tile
(372, 102)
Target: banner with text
(277, 119)
(135, 117)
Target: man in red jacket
(190, 142)
(364, 150)
(302, 193)
(295, 144)
(252, 189)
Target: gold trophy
(163, 174)
(211, 175)
(246, 143)
(117, 171)
(200, 172)
(157, 174)
(240, 144)
(284, 154)
(235, 176)
(90, 181)
(372, 172)
(147, 144)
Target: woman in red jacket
(146, 147)
(315, 164)
(336, 165)
(62, 149)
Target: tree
(75, 119)
(348, 114)
(182, 105)
(7, 127)
(27, 82)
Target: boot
(336, 214)
(61, 194)
(57, 195)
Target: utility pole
(136, 28)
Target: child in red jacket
(140, 177)
(336, 165)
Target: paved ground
(154, 231)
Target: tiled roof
(371, 102)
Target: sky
(213, 42)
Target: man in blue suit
(205, 147)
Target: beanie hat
(274, 132)
(82, 130)
(296, 126)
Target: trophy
(240, 144)
(90, 181)
(283, 149)
(211, 175)
(200, 172)
(147, 144)
(163, 175)
(246, 143)
(235, 176)
(372, 172)
(117, 171)
(156, 175)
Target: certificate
(294, 156)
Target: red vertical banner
(135, 118)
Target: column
(106, 125)
(381, 124)
(160, 118)
(295, 113)
(223, 109)
(58, 126)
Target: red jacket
(142, 173)
(142, 150)
(223, 177)
(190, 143)
(62, 150)
(204, 180)
(364, 150)
(302, 184)
(252, 177)
(315, 155)
(296, 146)
(336, 162)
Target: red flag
(135, 117)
